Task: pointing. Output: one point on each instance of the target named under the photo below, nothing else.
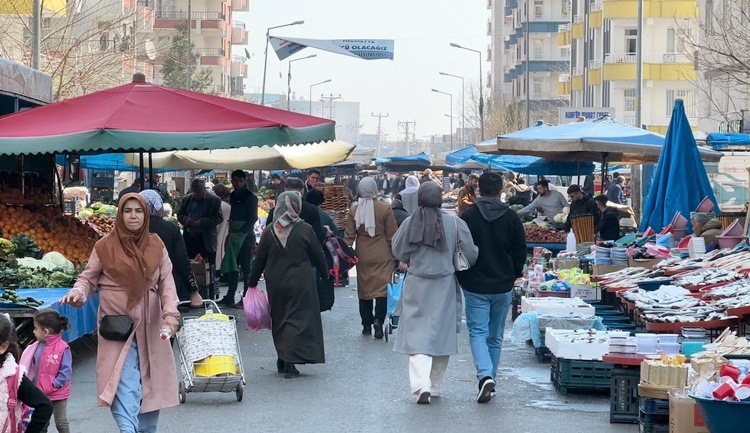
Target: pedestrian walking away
(15, 385)
(222, 230)
(487, 286)
(287, 252)
(182, 272)
(241, 239)
(136, 375)
(429, 308)
(409, 195)
(371, 225)
(49, 364)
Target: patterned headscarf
(286, 214)
(154, 201)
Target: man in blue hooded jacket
(488, 285)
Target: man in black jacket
(200, 215)
(242, 220)
(609, 226)
(499, 234)
(581, 204)
(309, 212)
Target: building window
(536, 88)
(631, 41)
(538, 9)
(565, 52)
(538, 49)
(565, 9)
(629, 101)
(104, 41)
(688, 98)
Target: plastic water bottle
(165, 333)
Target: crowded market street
(362, 387)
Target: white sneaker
(424, 396)
(485, 390)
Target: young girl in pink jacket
(50, 363)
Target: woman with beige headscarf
(287, 252)
(371, 225)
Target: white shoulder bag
(460, 262)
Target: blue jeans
(126, 406)
(485, 318)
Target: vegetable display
(538, 234)
(11, 297)
(35, 274)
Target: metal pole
(310, 100)
(463, 112)
(265, 67)
(451, 123)
(151, 170)
(639, 67)
(527, 45)
(189, 60)
(289, 86)
(481, 98)
(36, 40)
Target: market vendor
(548, 202)
(609, 225)
(581, 204)
(706, 228)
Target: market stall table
(82, 320)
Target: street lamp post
(311, 87)
(451, 115)
(289, 79)
(481, 84)
(463, 106)
(265, 54)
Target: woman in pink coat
(135, 368)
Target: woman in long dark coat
(287, 252)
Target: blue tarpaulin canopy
(531, 165)
(720, 141)
(597, 140)
(108, 161)
(680, 182)
(419, 161)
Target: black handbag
(116, 327)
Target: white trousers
(427, 371)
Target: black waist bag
(116, 327)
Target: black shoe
(290, 371)
(486, 387)
(226, 301)
(366, 330)
(378, 331)
(280, 366)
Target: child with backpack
(16, 388)
(50, 364)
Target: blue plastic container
(724, 416)
(650, 286)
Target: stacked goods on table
(583, 228)
(576, 359)
(101, 216)
(336, 204)
(657, 378)
(51, 271)
(542, 234)
(50, 231)
(670, 305)
(557, 305)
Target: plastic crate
(582, 375)
(647, 418)
(653, 428)
(623, 400)
(542, 353)
(654, 406)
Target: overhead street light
(289, 79)
(311, 87)
(265, 54)
(451, 115)
(481, 84)
(463, 105)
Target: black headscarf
(426, 225)
(315, 197)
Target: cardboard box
(684, 415)
(585, 292)
(653, 391)
(566, 263)
(556, 305)
(605, 269)
(654, 372)
(643, 263)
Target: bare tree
(718, 44)
(92, 46)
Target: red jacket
(49, 366)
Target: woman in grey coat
(429, 309)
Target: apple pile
(538, 234)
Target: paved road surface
(362, 388)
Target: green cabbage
(59, 261)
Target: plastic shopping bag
(257, 311)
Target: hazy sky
(422, 30)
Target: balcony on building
(212, 57)
(564, 37)
(239, 66)
(241, 5)
(672, 9)
(202, 20)
(563, 84)
(656, 66)
(239, 33)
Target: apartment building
(528, 29)
(213, 33)
(602, 37)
